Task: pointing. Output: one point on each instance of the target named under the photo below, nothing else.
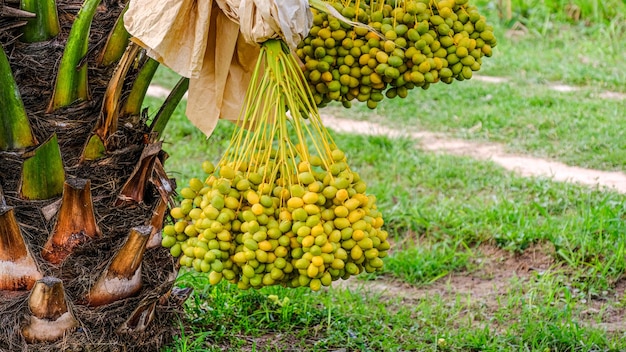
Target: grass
(583, 56)
(297, 319)
(458, 223)
(535, 12)
(439, 209)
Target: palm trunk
(62, 215)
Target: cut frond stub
(18, 270)
(3, 201)
(158, 216)
(140, 318)
(76, 223)
(71, 82)
(96, 145)
(15, 129)
(116, 42)
(122, 278)
(134, 189)
(45, 24)
(109, 114)
(50, 317)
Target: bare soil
(495, 268)
(565, 88)
(487, 286)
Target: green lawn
(441, 211)
(483, 260)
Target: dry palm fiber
(34, 68)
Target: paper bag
(203, 40)
(175, 32)
(261, 20)
(197, 40)
(220, 89)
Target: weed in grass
(424, 263)
(184, 343)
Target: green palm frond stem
(167, 109)
(15, 129)
(43, 174)
(132, 105)
(109, 114)
(116, 42)
(71, 80)
(45, 25)
(94, 149)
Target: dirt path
(565, 88)
(524, 165)
(492, 277)
(440, 143)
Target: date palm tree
(83, 192)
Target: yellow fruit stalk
(282, 207)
